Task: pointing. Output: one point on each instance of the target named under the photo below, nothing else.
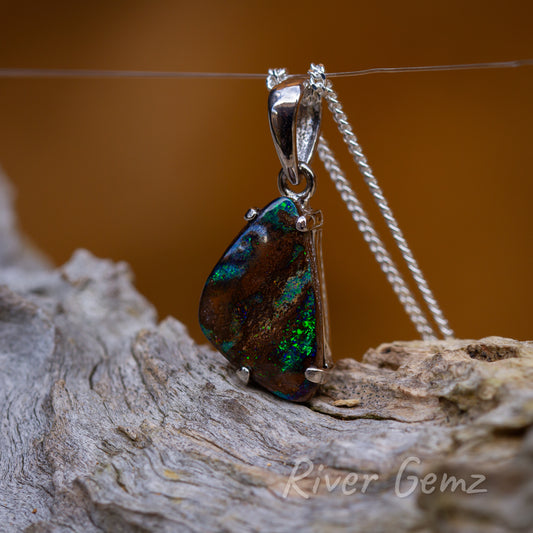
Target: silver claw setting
(243, 374)
(251, 214)
(309, 221)
(316, 375)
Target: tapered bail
(294, 112)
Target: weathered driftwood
(112, 421)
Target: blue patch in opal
(292, 290)
(227, 271)
(272, 216)
(206, 331)
(305, 389)
(237, 258)
(226, 346)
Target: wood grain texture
(113, 421)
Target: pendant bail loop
(294, 112)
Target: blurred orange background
(160, 172)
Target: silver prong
(244, 374)
(251, 214)
(301, 223)
(316, 375)
(309, 221)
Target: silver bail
(294, 112)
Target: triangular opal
(261, 304)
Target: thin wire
(147, 74)
(434, 68)
(76, 73)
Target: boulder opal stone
(261, 305)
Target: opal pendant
(263, 305)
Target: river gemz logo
(308, 479)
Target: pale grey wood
(113, 421)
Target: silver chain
(323, 86)
(375, 243)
